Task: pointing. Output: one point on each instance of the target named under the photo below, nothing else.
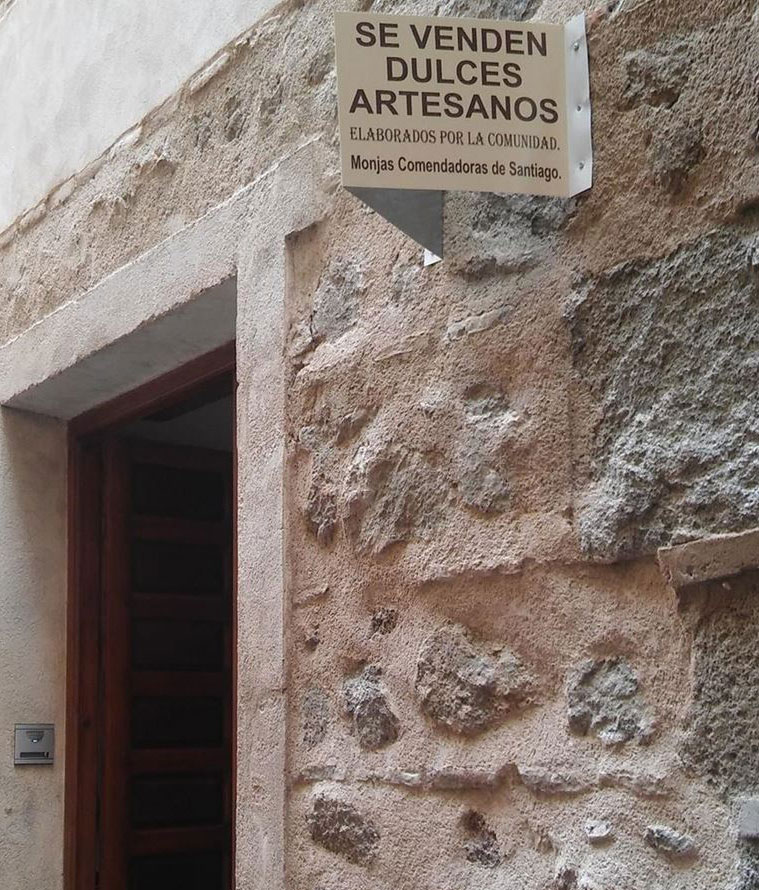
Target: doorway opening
(151, 636)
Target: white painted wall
(75, 74)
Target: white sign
(469, 104)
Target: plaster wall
(461, 666)
(77, 75)
(33, 650)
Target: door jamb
(83, 600)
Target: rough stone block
(514, 10)
(321, 510)
(566, 878)
(549, 782)
(598, 831)
(336, 301)
(748, 868)
(676, 150)
(656, 76)
(481, 845)
(722, 743)
(391, 496)
(314, 716)
(384, 621)
(501, 234)
(466, 687)
(341, 828)
(376, 726)
(481, 487)
(602, 698)
(668, 348)
(672, 843)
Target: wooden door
(166, 752)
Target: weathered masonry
(469, 553)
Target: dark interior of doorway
(154, 540)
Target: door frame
(83, 632)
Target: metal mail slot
(34, 743)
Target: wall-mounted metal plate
(35, 743)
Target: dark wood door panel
(177, 644)
(167, 760)
(187, 531)
(167, 754)
(194, 870)
(178, 567)
(166, 605)
(178, 840)
(179, 684)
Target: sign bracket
(417, 212)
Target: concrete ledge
(195, 327)
(708, 559)
(173, 303)
(748, 818)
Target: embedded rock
(300, 340)
(672, 843)
(598, 831)
(640, 784)
(374, 723)
(566, 879)
(384, 621)
(481, 486)
(479, 467)
(655, 76)
(474, 324)
(236, 119)
(392, 496)
(445, 778)
(748, 868)
(513, 10)
(674, 153)
(321, 510)
(312, 638)
(497, 233)
(602, 698)
(482, 844)
(336, 301)
(270, 98)
(549, 782)
(483, 402)
(350, 425)
(674, 456)
(314, 716)
(465, 687)
(541, 839)
(404, 283)
(341, 828)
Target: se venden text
(466, 72)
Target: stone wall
(490, 682)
